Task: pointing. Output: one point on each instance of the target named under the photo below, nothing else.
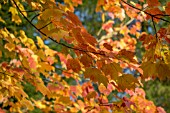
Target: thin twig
(45, 26)
(161, 15)
(154, 27)
(34, 17)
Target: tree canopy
(75, 56)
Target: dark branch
(154, 27)
(45, 26)
(161, 15)
(34, 17)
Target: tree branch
(34, 17)
(79, 49)
(154, 28)
(45, 26)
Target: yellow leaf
(10, 46)
(23, 37)
(1, 20)
(101, 88)
(15, 16)
(42, 88)
(27, 104)
(40, 42)
(103, 17)
(65, 100)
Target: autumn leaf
(86, 60)
(127, 81)
(149, 69)
(74, 64)
(96, 76)
(167, 9)
(27, 103)
(162, 70)
(92, 94)
(153, 3)
(127, 55)
(10, 46)
(154, 11)
(112, 69)
(65, 100)
(107, 46)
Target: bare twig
(34, 17)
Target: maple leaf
(112, 69)
(127, 81)
(10, 46)
(149, 69)
(86, 60)
(163, 70)
(96, 76)
(91, 94)
(153, 3)
(128, 55)
(154, 11)
(73, 64)
(65, 100)
(167, 9)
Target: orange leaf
(167, 9)
(154, 11)
(108, 46)
(77, 35)
(153, 3)
(73, 64)
(86, 60)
